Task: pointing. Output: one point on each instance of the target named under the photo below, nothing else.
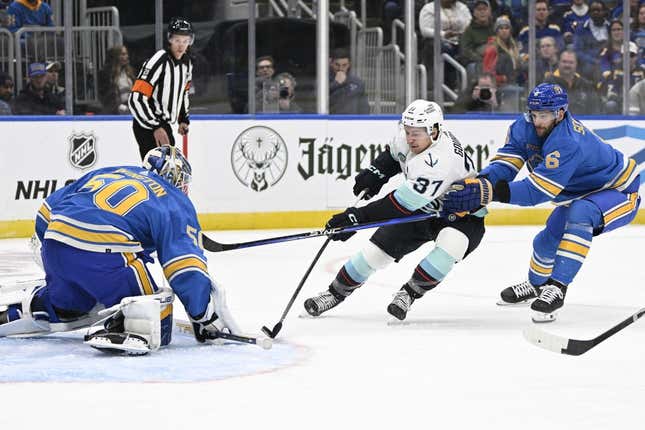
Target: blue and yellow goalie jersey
(129, 210)
(569, 164)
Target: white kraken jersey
(428, 175)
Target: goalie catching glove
(469, 195)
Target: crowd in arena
(579, 46)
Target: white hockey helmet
(422, 113)
(169, 163)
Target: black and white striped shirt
(160, 93)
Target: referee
(159, 96)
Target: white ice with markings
(458, 361)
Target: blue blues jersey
(569, 164)
(21, 13)
(128, 210)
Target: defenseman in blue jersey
(97, 234)
(594, 186)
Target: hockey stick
(563, 345)
(276, 328)
(187, 327)
(213, 246)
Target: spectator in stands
(557, 9)
(4, 15)
(591, 38)
(266, 89)
(115, 81)
(474, 39)
(287, 93)
(611, 82)
(53, 81)
(6, 93)
(34, 100)
(574, 19)
(29, 12)
(502, 55)
(543, 27)
(483, 96)
(612, 53)
(547, 60)
(455, 17)
(637, 34)
(346, 91)
(582, 94)
(638, 27)
(637, 99)
(617, 12)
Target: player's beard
(545, 131)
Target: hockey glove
(370, 179)
(208, 330)
(351, 216)
(467, 195)
(376, 175)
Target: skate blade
(395, 322)
(514, 305)
(306, 315)
(541, 317)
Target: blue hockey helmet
(169, 163)
(551, 97)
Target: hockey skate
(401, 304)
(519, 294)
(322, 303)
(550, 300)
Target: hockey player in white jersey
(431, 158)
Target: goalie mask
(169, 163)
(425, 114)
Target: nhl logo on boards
(259, 158)
(82, 150)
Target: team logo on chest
(259, 158)
(432, 162)
(82, 151)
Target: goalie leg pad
(36, 250)
(135, 326)
(15, 322)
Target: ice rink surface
(458, 362)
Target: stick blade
(212, 246)
(272, 333)
(266, 330)
(548, 341)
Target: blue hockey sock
(578, 233)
